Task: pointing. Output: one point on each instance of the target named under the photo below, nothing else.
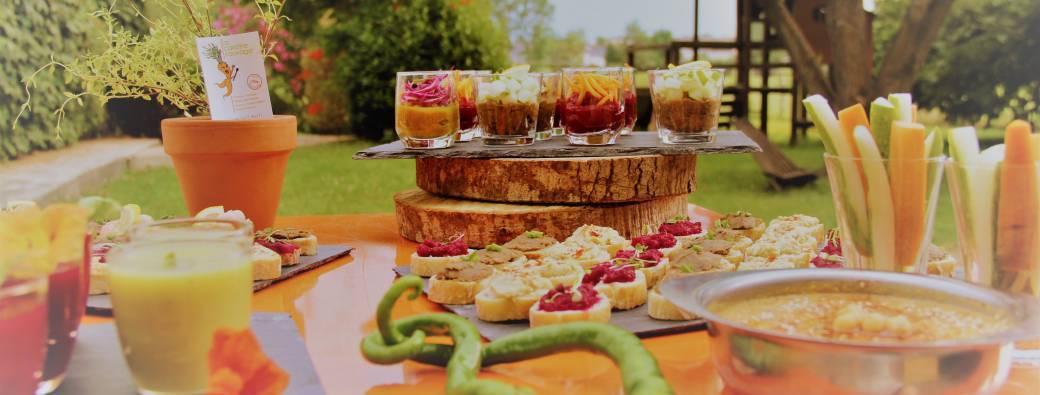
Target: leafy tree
(853, 77)
(374, 39)
(527, 23)
(986, 59)
(617, 53)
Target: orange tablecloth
(334, 307)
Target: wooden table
(334, 307)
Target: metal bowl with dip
(834, 331)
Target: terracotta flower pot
(236, 164)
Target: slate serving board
(98, 368)
(101, 305)
(636, 320)
(637, 143)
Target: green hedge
(374, 39)
(31, 31)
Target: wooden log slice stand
(559, 180)
(492, 195)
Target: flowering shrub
(292, 69)
(375, 39)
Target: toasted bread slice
(598, 312)
(625, 296)
(459, 283)
(660, 308)
(426, 266)
(98, 276)
(267, 264)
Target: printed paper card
(235, 77)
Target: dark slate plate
(97, 365)
(637, 143)
(636, 320)
(101, 305)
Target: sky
(608, 18)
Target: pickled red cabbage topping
(432, 91)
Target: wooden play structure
(759, 54)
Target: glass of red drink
(66, 302)
(628, 83)
(466, 89)
(23, 333)
(594, 109)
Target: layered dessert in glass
(558, 113)
(426, 111)
(593, 110)
(466, 90)
(507, 106)
(628, 84)
(548, 96)
(686, 102)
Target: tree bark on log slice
(559, 180)
(421, 216)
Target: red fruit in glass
(582, 118)
(630, 109)
(66, 302)
(467, 114)
(23, 329)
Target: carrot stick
(909, 174)
(1018, 202)
(849, 118)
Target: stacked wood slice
(494, 200)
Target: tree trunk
(909, 50)
(852, 79)
(851, 57)
(806, 64)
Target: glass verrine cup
(991, 258)
(507, 107)
(885, 210)
(996, 255)
(426, 109)
(548, 96)
(628, 77)
(66, 303)
(23, 332)
(594, 109)
(172, 287)
(686, 101)
(558, 113)
(466, 90)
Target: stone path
(67, 173)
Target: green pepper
(405, 339)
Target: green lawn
(324, 180)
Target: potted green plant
(239, 164)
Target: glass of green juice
(172, 286)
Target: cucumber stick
(879, 201)
(904, 106)
(983, 209)
(850, 186)
(964, 145)
(823, 117)
(964, 152)
(882, 113)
